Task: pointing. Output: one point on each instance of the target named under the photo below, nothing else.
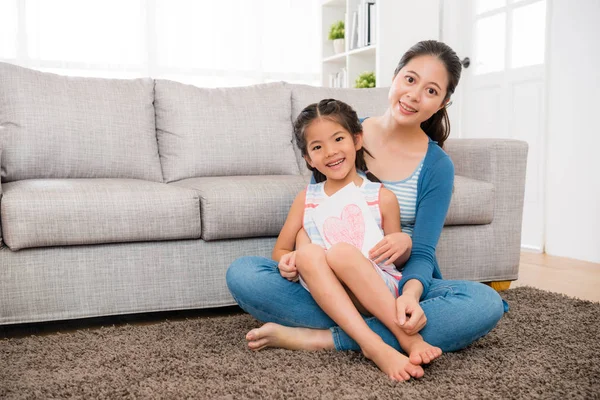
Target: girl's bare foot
(421, 352)
(394, 364)
(275, 335)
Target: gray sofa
(129, 196)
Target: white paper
(346, 217)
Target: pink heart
(350, 228)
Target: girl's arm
(302, 238)
(390, 214)
(431, 214)
(286, 240)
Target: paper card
(345, 217)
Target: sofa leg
(499, 286)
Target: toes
(258, 344)
(426, 357)
(415, 358)
(252, 335)
(403, 375)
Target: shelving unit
(396, 30)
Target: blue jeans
(458, 312)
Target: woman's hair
(438, 126)
(338, 112)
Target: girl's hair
(438, 126)
(340, 113)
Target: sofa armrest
(1, 241)
(503, 163)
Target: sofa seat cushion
(472, 202)
(244, 206)
(53, 212)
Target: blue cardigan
(434, 192)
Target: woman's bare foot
(275, 335)
(393, 363)
(421, 352)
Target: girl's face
(418, 90)
(331, 149)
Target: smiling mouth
(338, 162)
(407, 108)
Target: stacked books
(362, 32)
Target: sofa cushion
(56, 212)
(225, 131)
(54, 126)
(472, 202)
(366, 103)
(244, 206)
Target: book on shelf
(372, 21)
(354, 32)
(366, 16)
(338, 79)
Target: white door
(502, 92)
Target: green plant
(337, 30)
(365, 80)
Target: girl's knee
(342, 255)
(309, 256)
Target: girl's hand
(392, 246)
(411, 317)
(287, 266)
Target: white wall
(573, 136)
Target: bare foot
(421, 352)
(275, 335)
(393, 363)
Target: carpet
(546, 347)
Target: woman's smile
(406, 109)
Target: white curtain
(212, 43)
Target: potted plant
(365, 80)
(336, 33)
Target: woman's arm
(430, 216)
(286, 241)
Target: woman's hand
(411, 317)
(287, 266)
(392, 246)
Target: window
(508, 34)
(208, 43)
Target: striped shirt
(406, 193)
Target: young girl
(341, 280)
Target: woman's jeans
(458, 312)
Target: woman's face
(418, 90)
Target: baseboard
(531, 249)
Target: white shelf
(338, 58)
(367, 50)
(334, 3)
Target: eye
(339, 138)
(317, 147)
(410, 79)
(432, 91)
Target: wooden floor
(574, 278)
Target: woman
(406, 147)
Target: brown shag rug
(547, 346)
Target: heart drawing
(350, 228)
